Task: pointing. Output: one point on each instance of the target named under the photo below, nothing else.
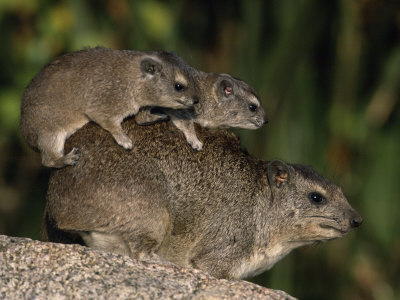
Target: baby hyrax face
(228, 102)
(224, 102)
(175, 84)
(316, 210)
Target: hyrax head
(169, 81)
(312, 208)
(230, 102)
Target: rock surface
(36, 270)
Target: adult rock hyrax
(219, 210)
(224, 101)
(100, 85)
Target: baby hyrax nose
(195, 100)
(356, 221)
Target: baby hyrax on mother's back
(224, 101)
(100, 85)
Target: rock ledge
(36, 270)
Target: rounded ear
(278, 173)
(149, 66)
(226, 87)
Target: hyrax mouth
(257, 123)
(326, 226)
(185, 102)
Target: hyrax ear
(278, 173)
(149, 66)
(226, 88)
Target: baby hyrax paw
(124, 141)
(196, 144)
(72, 157)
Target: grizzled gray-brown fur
(224, 102)
(100, 85)
(219, 210)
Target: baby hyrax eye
(316, 198)
(179, 87)
(252, 107)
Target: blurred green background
(328, 73)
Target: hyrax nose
(195, 100)
(356, 221)
(265, 120)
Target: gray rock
(36, 270)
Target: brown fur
(219, 210)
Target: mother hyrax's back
(101, 85)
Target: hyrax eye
(179, 87)
(316, 198)
(252, 107)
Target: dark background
(328, 73)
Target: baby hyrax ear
(149, 66)
(226, 88)
(278, 173)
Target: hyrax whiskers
(224, 101)
(219, 210)
(100, 85)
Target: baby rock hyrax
(100, 85)
(219, 210)
(224, 101)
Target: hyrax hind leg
(51, 146)
(143, 240)
(105, 241)
(115, 243)
(150, 233)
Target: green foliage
(329, 76)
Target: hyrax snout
(100, 85)
(224, 102)
(219, 210)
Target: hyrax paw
(125, 142)
(72, 157)
(196, 145)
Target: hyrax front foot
(118, 134)
(196, 144)
(57, 161)
(187, 128)
(72, 157)
(113, 126)
(124, 141)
